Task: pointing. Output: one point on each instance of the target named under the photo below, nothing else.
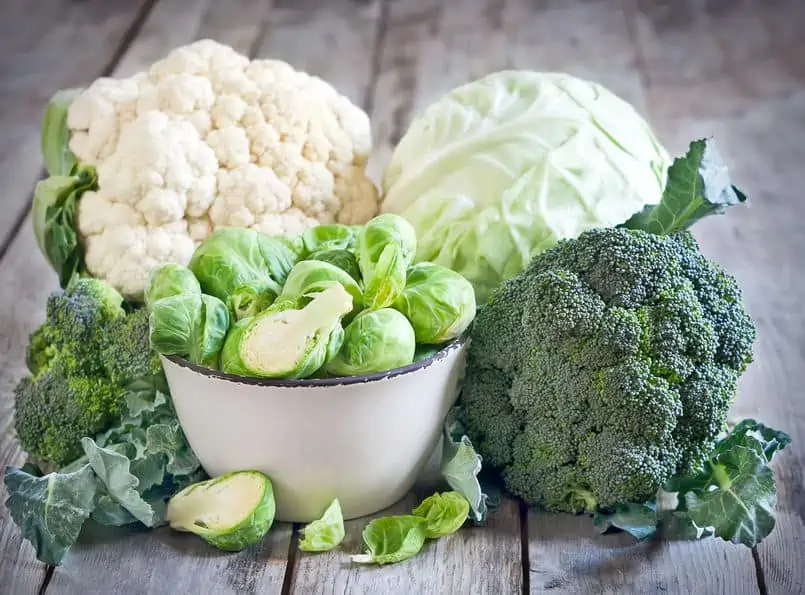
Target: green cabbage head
(501, 168)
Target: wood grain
(478, 560)
(47, 45)
(568, 555)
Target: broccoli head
(605, 368)
(81, 360)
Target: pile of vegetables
(217, 209)
(336, 300)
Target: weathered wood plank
(572, 557)
(482, 560)
(47, 45)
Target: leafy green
(54, 220)
(325, 533)
(636, 518)
(461, 465)
(51, 509)
(168, 438)
(55, 135)
(392, 539)
(698, 185)
(444, 512)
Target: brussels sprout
(170, 279)
(251, 298)
(230, 512)
(329, 237)
(189, 325)
(286, 340)
(325, 533)
(312, 276)
(343, 259)
(386, 248)
(375, 341)
(439, 302)
(232, 257)
(425, 351)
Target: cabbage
(502, 168)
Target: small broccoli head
(125, 349)
(604, 368)
(57, 408)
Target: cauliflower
(207, 139)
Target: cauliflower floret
(206, 138)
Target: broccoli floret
(605, 368)
(81, 359)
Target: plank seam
(290, 563)
(759, 573)
(46, 581)
(377, 56)
(524, 558)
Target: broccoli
(605, 368)
(81, 359)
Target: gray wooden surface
(731, 68)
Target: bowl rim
(440, 355)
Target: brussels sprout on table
(439, 302)
(386, 248)
(230, 512)
(375, 341)
(286, 340)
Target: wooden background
(734, 69)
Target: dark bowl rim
(323, 382)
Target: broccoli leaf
(750, 433)
(51, 509)
(169, 439)
(698, 185)
(736, 497)
(461, 465)
(638, 519)
(114, 471)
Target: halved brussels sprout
(189, 325)
(375, 341)
(312, 276)
(329, 237)
(386, 248)
(230, 512)
(232, 257)
(343, 259)
(439, 302)
(168, 280)
(286, 340)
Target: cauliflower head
(206, 139)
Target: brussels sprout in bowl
(363, 439)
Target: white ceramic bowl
(363, 439)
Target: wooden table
(731, 68)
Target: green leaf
(114, 472)
(392, 539)
(638, 519)
(54, 220)
(50, 510)
(736, 497)
(143, 396)
(169, 439)
(461, 465)
(444, 512)
(325, 533)
(59, 159)
(766, 441)
(698, 185)
(109, 512)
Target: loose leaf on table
(461, 465)
(444, 513)
(113, 470)
(392, 539)
(50, 510)
(325, 533)
(638, 519)
(698, 185)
